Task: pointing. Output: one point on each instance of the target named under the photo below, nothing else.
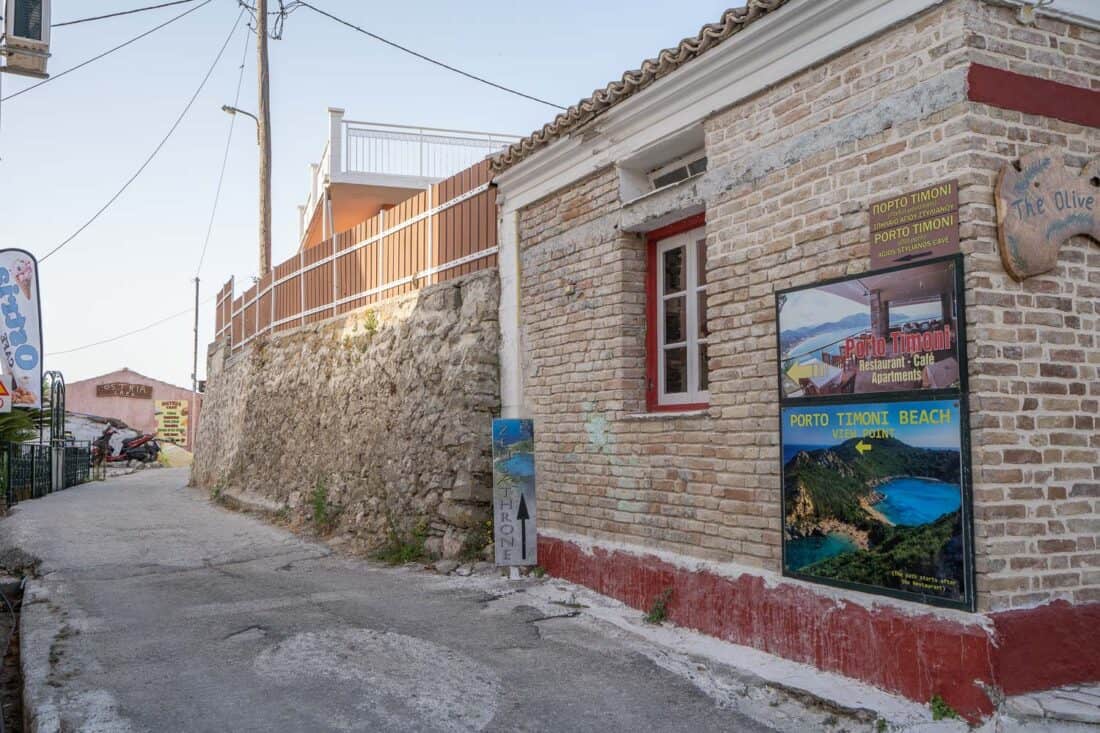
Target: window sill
(670, 414)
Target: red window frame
(652, 348)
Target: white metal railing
(424, 152)
(413, 156)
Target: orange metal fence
(444, 232)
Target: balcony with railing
(367, 166)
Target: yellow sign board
(172, 421)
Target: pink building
(145, 404)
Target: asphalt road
(159, 611)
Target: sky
(66, 147)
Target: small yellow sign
(172, 421)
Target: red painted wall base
(914, 655)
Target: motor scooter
(143, 448)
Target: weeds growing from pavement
(941, 710)
(324, 513)
(403, 545)
(658, 612)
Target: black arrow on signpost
(522, 516)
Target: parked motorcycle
(144, 448)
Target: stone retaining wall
(383, 413)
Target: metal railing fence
(33, 470)
(447, 231)
(400, 150)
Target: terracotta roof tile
(667, 61)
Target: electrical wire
(421, 56)
(157, 149)
(108, 52)
(225, 159)
(190, 309)
(121, 12)
(279, 17)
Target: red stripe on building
(1034, 96)
(915, 654)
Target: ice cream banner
(21, 334)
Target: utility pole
(264, 122)
(194, 411)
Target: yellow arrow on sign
(862, 447)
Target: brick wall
(792, 173)
(1034, 346)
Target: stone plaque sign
(514, 492)
(915, 226)
(123, 389)
(1041, 204)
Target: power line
(136, 331)
(429, 59)
(279, 17)
(108, 52)
(122, 12)
(157, 149)
(225, 158)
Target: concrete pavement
(156, 610)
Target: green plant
(476, 541)
(324, 513)
(19, 425)
(370, 322)
(403, 545)
(880, 725)
(940, 709)
(217, 493)
(658, 611)
(538, 571)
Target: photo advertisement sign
(895, 330)
(874, 436)
(21, 333)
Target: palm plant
(19, 425)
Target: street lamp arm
(234, 110)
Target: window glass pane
(676, 370)
(28, 19)
(697, 166)
(673, 176)
(701, 253)
(675, 319)
(703, 332)
(704, 381)
(674, 270)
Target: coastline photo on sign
(514, 533)
(890, 331)
(873, 497)
(21, 334)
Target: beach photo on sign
(873, 333)
(872, 495)
(514, 505)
